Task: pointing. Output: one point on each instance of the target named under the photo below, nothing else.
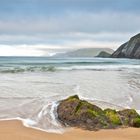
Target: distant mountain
(130, 49)
(86, 52)
(104, 54)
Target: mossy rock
(86, 106)
(73, 97)
(136, 122)
(92, 113)
(113, 116)
(80, 113)
(129, 113)
(128, 116)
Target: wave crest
(28, 69)
(22, 69)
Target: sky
(45, 27)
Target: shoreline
(14, 130)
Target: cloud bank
(67, 23)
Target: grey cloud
(67, 40)
(73, 22)
(110, 27)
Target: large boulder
(130, 49)
(80, 113)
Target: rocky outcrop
(130, 49)
(80, 113)
(104, 54)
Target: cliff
(130, 49)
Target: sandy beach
(14, 130)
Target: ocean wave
(64, 62)
(22, 69)
(28, 69)
(20, 65)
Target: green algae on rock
(80, 113)
(113, 116)
(136, 122)
(128, 116)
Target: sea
(32, 87)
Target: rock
(113, 116)
(136, 122)
(104, 54)
(80, 113)
(130, 49)
(129, 117)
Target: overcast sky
(38, 27)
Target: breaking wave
(28, 69)
(67, 68)
(43, 64)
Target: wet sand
(14, 130)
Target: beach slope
(14, 130)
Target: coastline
(14, 130)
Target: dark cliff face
(130, 49)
